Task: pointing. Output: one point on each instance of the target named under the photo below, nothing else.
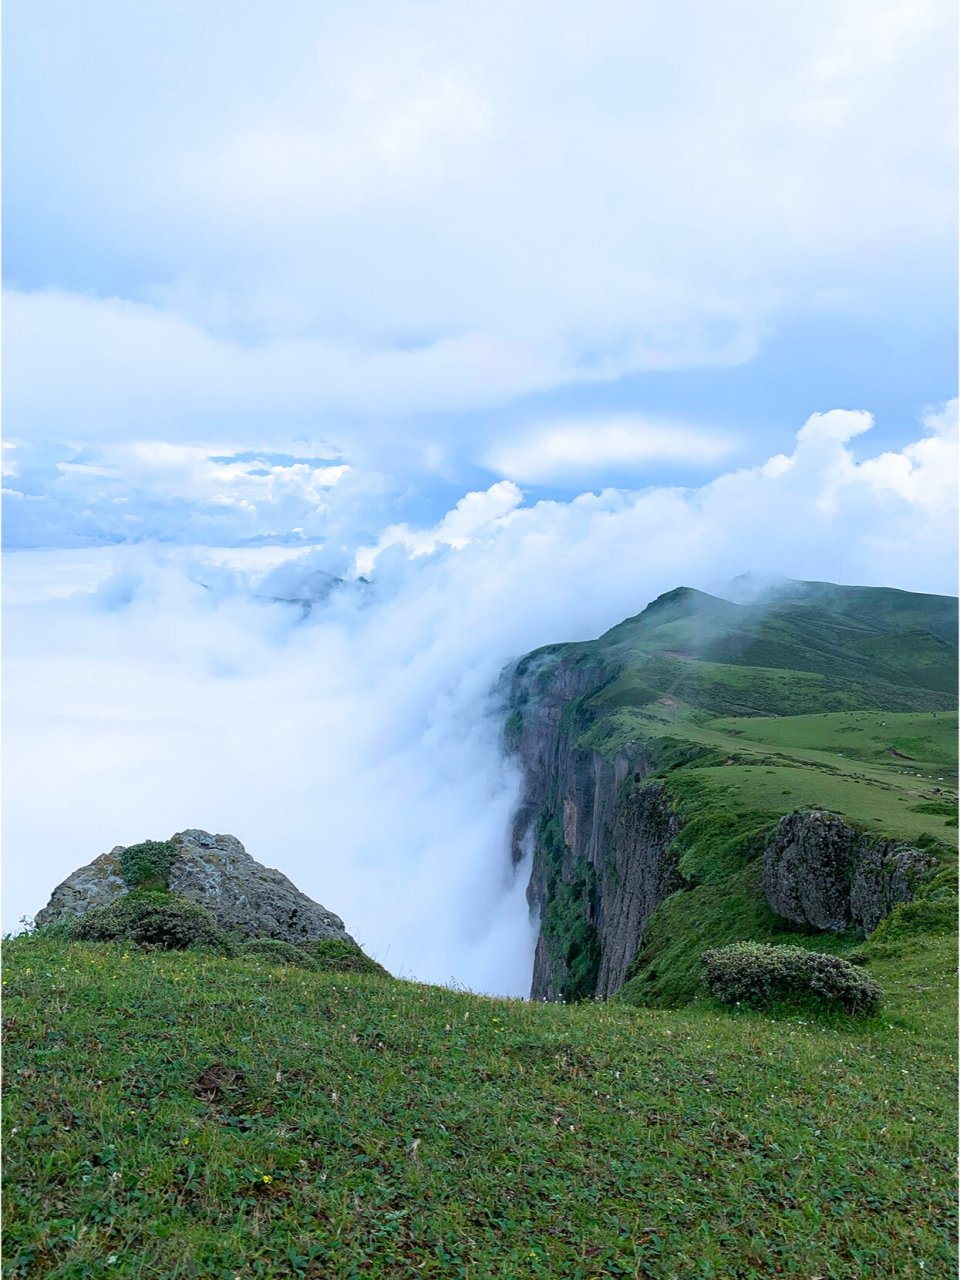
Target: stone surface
(609, 814)
(818, 870)
(216, 871)
(94, 885)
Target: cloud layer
(324, 220)
(149, 690)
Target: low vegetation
(148, 865)
(759, 975)
(186, 1114)
(151, 917)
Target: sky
(521, 312)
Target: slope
(172, 1115)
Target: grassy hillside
(822, 697)
(183, 1115)
(174, 1115)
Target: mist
(355, 745)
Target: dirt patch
(219, 1083)
(897, 755)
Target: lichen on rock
(819, 870)
(213, 871)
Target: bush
(147, 865)
(756, 974)
(340, 957)
(277, 951)
(164, 920)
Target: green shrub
(336, 956)
(756, 974)
(278, 951)
(164, 920)
(147, 865)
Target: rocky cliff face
(599, 834)
(215, 871)
(818, 870)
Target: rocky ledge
(216, 872)
(819, 870)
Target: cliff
(818, 870)
(659, 760)
(599, 836)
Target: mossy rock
(148, 865)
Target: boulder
(819, 870)
(215, 871)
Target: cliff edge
(712, 771)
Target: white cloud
(128, 368)
(130, 490)
(345, 213)
(923, 474)
(472, 514)
(577, 452)
(356, 752)
(835, 427)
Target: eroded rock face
(818, 870)
(215, 871)
(638, 873)
(94, 885)
(612, 825)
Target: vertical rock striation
(600, 833)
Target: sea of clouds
(356, 744)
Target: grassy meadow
(184, 1115)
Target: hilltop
(659, 759)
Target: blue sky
(563, 247)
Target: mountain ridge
(681, 697)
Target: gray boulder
(818, 870)
(215, 871)
(94, 885)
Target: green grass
(185, 1115)
(928, 738)
(867, 803)
(666, 972)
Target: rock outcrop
(599, 834)
(818, 870)
(215, 871)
